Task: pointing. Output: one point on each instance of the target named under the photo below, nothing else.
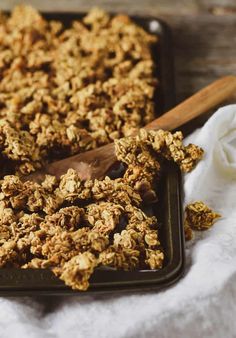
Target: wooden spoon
(95, 163)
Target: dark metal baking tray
(169, 210)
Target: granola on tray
(66, 90)
(72, 226)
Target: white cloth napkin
(201, 304)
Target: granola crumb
(188, 232)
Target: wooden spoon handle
(196, 105)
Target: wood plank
(205, 49)
(151, 7)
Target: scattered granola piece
(199, 216)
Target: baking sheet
(169, 212)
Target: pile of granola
(73, 226)
(65, 90)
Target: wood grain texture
(204, 43)
(205, 49)
(154, 7)
(131, 6)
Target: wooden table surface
(204, 33)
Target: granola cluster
(198, 216)
(65, 90)
(73, 226)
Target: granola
(65, 90)
(199, 216)
(73, 226)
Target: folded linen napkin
(201, 304)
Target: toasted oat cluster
(65, 90)
(198, 217)
(73, 226)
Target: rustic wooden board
(205, 49)
(132, 6)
